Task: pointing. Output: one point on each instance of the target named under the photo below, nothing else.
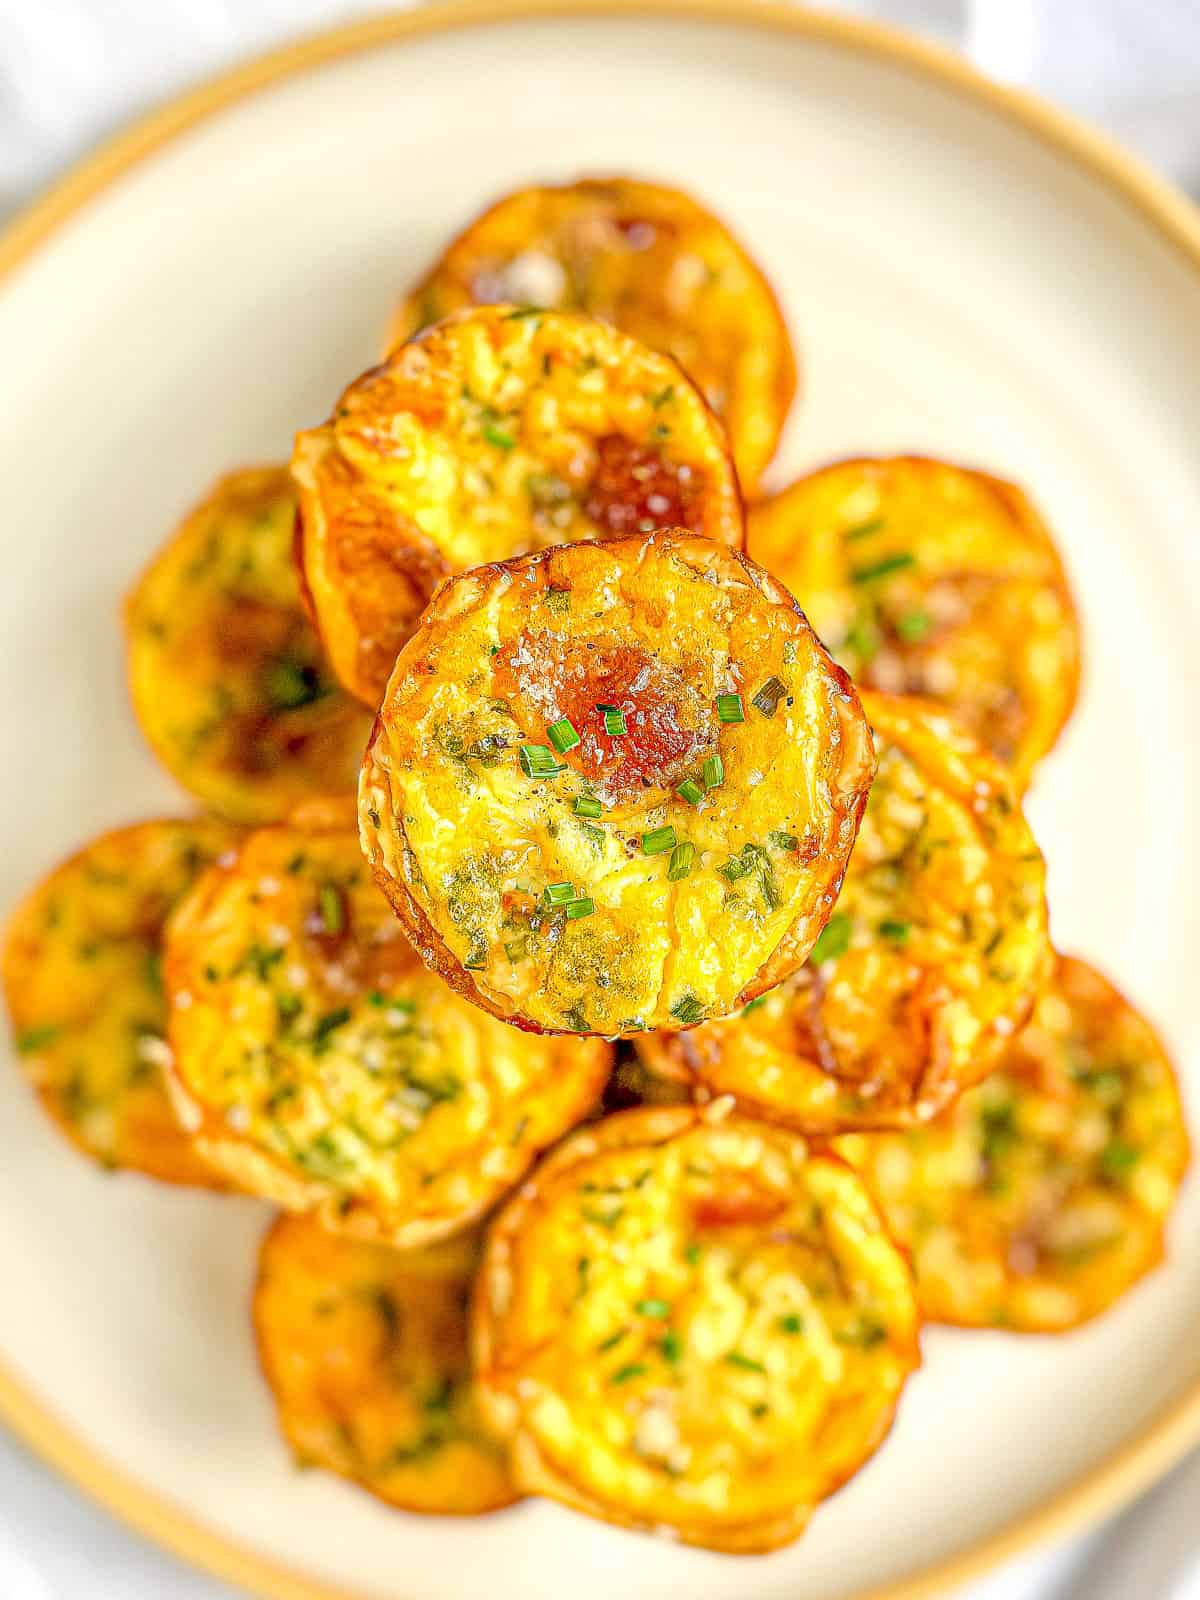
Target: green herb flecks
(658, 841)
(884, 567)
(834, 939)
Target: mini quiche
(365, 1350)
(494, 433)
(1043, 1195)
(692, 1325)
(614, 786)
(83, 979)
(227, 676)
(322, 1066)
(929, 579)
(648, 259)
(929, 964)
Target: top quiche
(497, 432)
(929, 579)
(652, 261)
(614, 786)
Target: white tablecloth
(70, 72)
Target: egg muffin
(613, 786)
(929, 579)
(321, 1065)
(494, 433)
(927, 967)
(648, 259)
(1042, 1195)
(690, 1323)
(228, 679)
(365, 1350)
(83, 981)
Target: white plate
(965, 277)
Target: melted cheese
(494, 433)
(83, 979)
(676, 862)
(928, 965)
(365, 1349)
(692, 1323)
(648, 259)
(1042, 1195)
(329, 1068)
(928, 579)
(228, 680)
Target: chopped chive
(897, 932)
(692, 1254)
(768, 697)
(714, 772)
(583, 907)
(866, 1331)
(791, 1323)
(913, 626)
(614, 721)
(557, 894)
(562, 735)
(657, 841)
(834, 939)
(516, 949)
(783, 841)
(1118, 1159)
(635, 1369)
(659, 1309)
(539, 761)
(863, 530)
(672, 1346)
(587, 806)
(680, 864)
(753, 1005)
(37, 1038)
(612, 1341)
(333, 912)
(735, 868)
(522, 312)
(687, 1010)
(662, 396)
(884, 567)
(864, 639)
(329, 1022)
(690, 791)
(500, 437)
(730, 708)
(735, 1358)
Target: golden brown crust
(83, 983)
(927, 967)
(225, 671)
(321, 1065)
(690, 1324)
(675, 861)
(651, 261)
(494, 433)
(1042, 1196)
(365, 1351)
(936, 580)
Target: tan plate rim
(1150, 1453)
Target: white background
(71, 71)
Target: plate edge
(1134, 1465)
